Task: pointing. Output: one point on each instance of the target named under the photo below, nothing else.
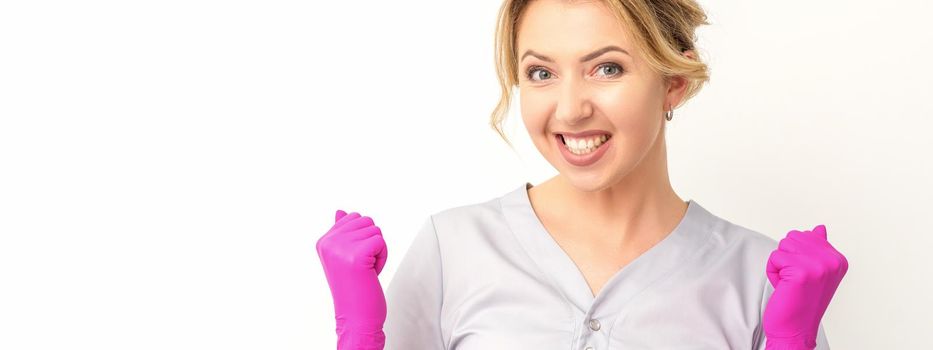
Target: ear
(677, 85)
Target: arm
(353, 254)
(822, 343)
(805, 271)
(415, 296)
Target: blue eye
(617, 67)
(615, 70)
(531, 71)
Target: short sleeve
(761, 340)
(415, 294)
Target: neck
(640, 207)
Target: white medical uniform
(489, 276)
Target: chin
(587, 181)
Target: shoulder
(735, 236)
(467, 212)
(751, 240)
(488, 210)
(747, 247)
(469, 219)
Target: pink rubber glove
(805, 271)
(353, 254)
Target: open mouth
(584, 145)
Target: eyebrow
(588, 57)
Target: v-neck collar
(679, 247)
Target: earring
(669, 114)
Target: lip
(584, 133)
(582, 160)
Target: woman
(604, 255)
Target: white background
(167, 167)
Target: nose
(574, 102)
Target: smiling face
(580, 71)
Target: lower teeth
(584, 151)
(588, 150)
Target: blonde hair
(661, 30)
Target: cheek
(627, 109)
(633, 117)
(534, 110)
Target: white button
(594, 325)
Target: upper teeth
(582, 144)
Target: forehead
(560, 27)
